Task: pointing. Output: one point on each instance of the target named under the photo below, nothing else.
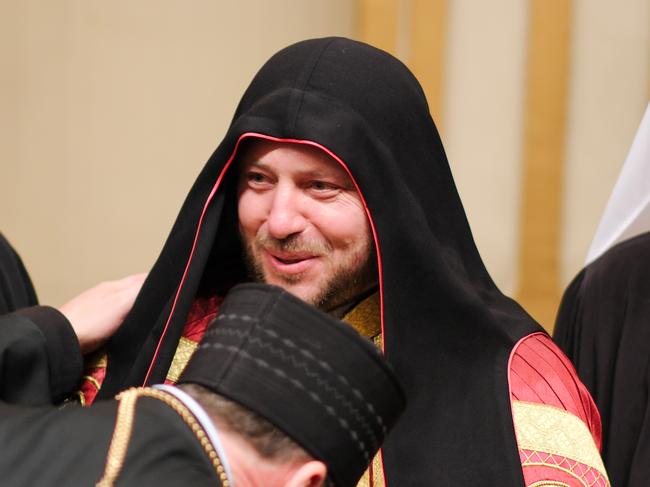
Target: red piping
(189, 260)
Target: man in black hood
(332, 182)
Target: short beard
(343, 286)
(346, 284)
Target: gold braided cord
(194, 425)
(121, 437)
(124, 423)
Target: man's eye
(322, 186)
(255, 177)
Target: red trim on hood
(209, 199)
(189, 260)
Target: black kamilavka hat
(312, 376)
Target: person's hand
(97, 313)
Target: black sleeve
(40, 358)
(567, 328)
(16, 289)
(51, 447)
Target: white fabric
(627, 213)
(203, 418)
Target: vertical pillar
(543, 157)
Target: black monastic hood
(447, 329)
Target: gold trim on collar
(184, 351)
(365, 317)
(377, 474)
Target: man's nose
(285, 216)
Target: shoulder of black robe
(447, 329)
(603, 325)
(40, 359)
(50, 447)
(16, 289)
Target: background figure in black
(78, 327)
(603, 323)
(604, 327)
(16, 289)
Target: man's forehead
(300, 157)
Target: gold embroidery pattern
(98, 362)
(364, 481)
(365, 317)
(587, 476)
(182, 356)
(92, 380)
(88, 379)
(92, 364)
(548, 431)
(124, 426)
(377, 474)
(79, 396)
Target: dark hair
(267, 440)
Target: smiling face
(303, 224)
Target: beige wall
(483, 123)
(609, 88)
(609, 91)
(109, 110)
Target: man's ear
(309, 474)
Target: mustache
(292, 244)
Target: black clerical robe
(150, 436)
(47, 446)
(16, 289)
(603, 325)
